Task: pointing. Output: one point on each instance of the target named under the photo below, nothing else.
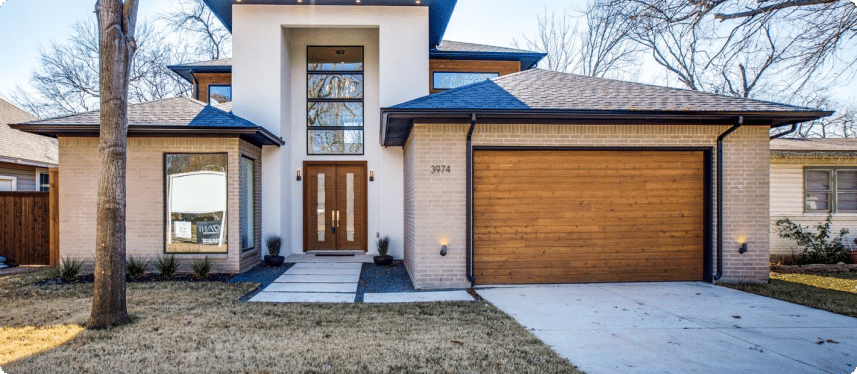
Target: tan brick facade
(435, 203)
(145, 197)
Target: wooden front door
(335, 206)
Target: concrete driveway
(679, 328)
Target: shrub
(135, 268)
(383, 246)
(167, 266)
(70, 269)
(273, 242)
(201, 268)
(818, 248)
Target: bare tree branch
(771, 8)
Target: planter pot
(383, 260)
(274, 261)
(853, 256)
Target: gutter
(784, 133)
(93, 130)
(469, 220)
(719, 182)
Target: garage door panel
(587, 216)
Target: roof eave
(463, 115)
(187, 71)
(23, 161)
(262, 134)
(528, 60)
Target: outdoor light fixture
(743, 248)
(371, 175)
(298, 175)
(443, 242)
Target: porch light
(371, 175)
(443, 242)
(298, 175)
(743, 248)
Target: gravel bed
(262, 274)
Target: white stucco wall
(269, 89)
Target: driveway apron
(688, 327)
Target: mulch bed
(146, 278)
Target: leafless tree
(67, 80)
(842, 124)
(196, 23)
(116, 24)
(602, 49)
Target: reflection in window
(448, 80)
(195, 196)
(248, 209)
(219, 94)
(335, 100)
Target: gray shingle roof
(21, 146)
(814, 145)
(548, 90)
(451, 46)
(220, 62)
(178, 115)
(175, 111)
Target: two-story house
(355, 120)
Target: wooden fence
(29, 225)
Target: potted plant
(382, 259)
(273, 258)
(853, 253)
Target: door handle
(332, 222)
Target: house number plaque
(435, 169)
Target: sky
(27, 25)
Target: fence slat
(24, 229)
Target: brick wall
(145, 197)
(437, 201)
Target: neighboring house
(24, 157)
(508, 174)
(811, 179)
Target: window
(830, 190)
(44, 181)
(248, 208)
(195, 199)
(442, 80)
(8, 183)
(335, 100)
(219, 94)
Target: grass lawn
(202, 328)
(834, 292)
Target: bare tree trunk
(116, 21)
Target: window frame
(12, 179)
(39, 185)
(219, 85)
(362, 101)
(435, 88)
(833, 175)
(252, 204)
(165, 204)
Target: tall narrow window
(335, 100)
(248, 208)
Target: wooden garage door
(587, 216)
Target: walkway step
(317, 278)
(323, 271)
(305, 297)
(308, 265)
(416, 297)
(312, 287)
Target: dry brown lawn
(203, 328)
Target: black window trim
(219, 85)
(362, 101)
(834, 187)
(253, 203)
(433, 87)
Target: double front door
(335, 206)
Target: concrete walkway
(314, 282)
(680, 328)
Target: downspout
(784, 133)
(720, 195)
(469, 208)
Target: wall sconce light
(743, 248)
(371, 175)
(443, 242)
(298, 175)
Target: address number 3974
(435, 169)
